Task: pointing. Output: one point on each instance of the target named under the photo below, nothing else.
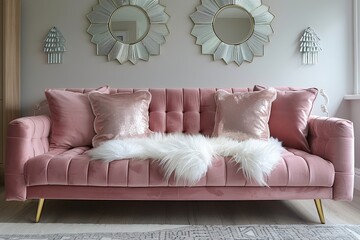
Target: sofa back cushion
(171, 110)
(193, 111)
(72, 117)
(120, 115)
(290, 114)
(182, 110)
(243, 115)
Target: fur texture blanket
(189, 156)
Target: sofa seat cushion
(74, 168)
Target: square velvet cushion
(243, 115)
(71, 118)
(120, 115)
(290, 114)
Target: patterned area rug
(315, 232)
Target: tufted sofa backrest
(179, 110)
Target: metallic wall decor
(248, 20)
(54, 46)
(310, 47)
(128, 30)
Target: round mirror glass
(129, 24)
(233, 24)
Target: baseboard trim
(357, 178)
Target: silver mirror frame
(107, 45)
(203, 30)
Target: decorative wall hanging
(128, 30)
(248, 27)
(54, 46)
(310, 47)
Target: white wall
(181, 63)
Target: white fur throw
(189, 156)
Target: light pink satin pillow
(120, 115)
(72, 119)
(243, 115)
(290, 114)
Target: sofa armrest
(27, 137)
(333, 140)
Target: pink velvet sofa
(34, 170)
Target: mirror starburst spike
(210, 43)
(108, 45)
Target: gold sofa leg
(320, 211)
(39, 209)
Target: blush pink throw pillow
(72, 118)
(289, 115)
(120, 115)
(243, 115)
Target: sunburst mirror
(128, 30)
(232, 30)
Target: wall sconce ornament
(54, 46)
(310, 47)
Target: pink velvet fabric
(333, 139)
(73, 167)
(72, 118)
(27, 137)
(325, 172)
(178, 193)
(182, 110)
(289, 115)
